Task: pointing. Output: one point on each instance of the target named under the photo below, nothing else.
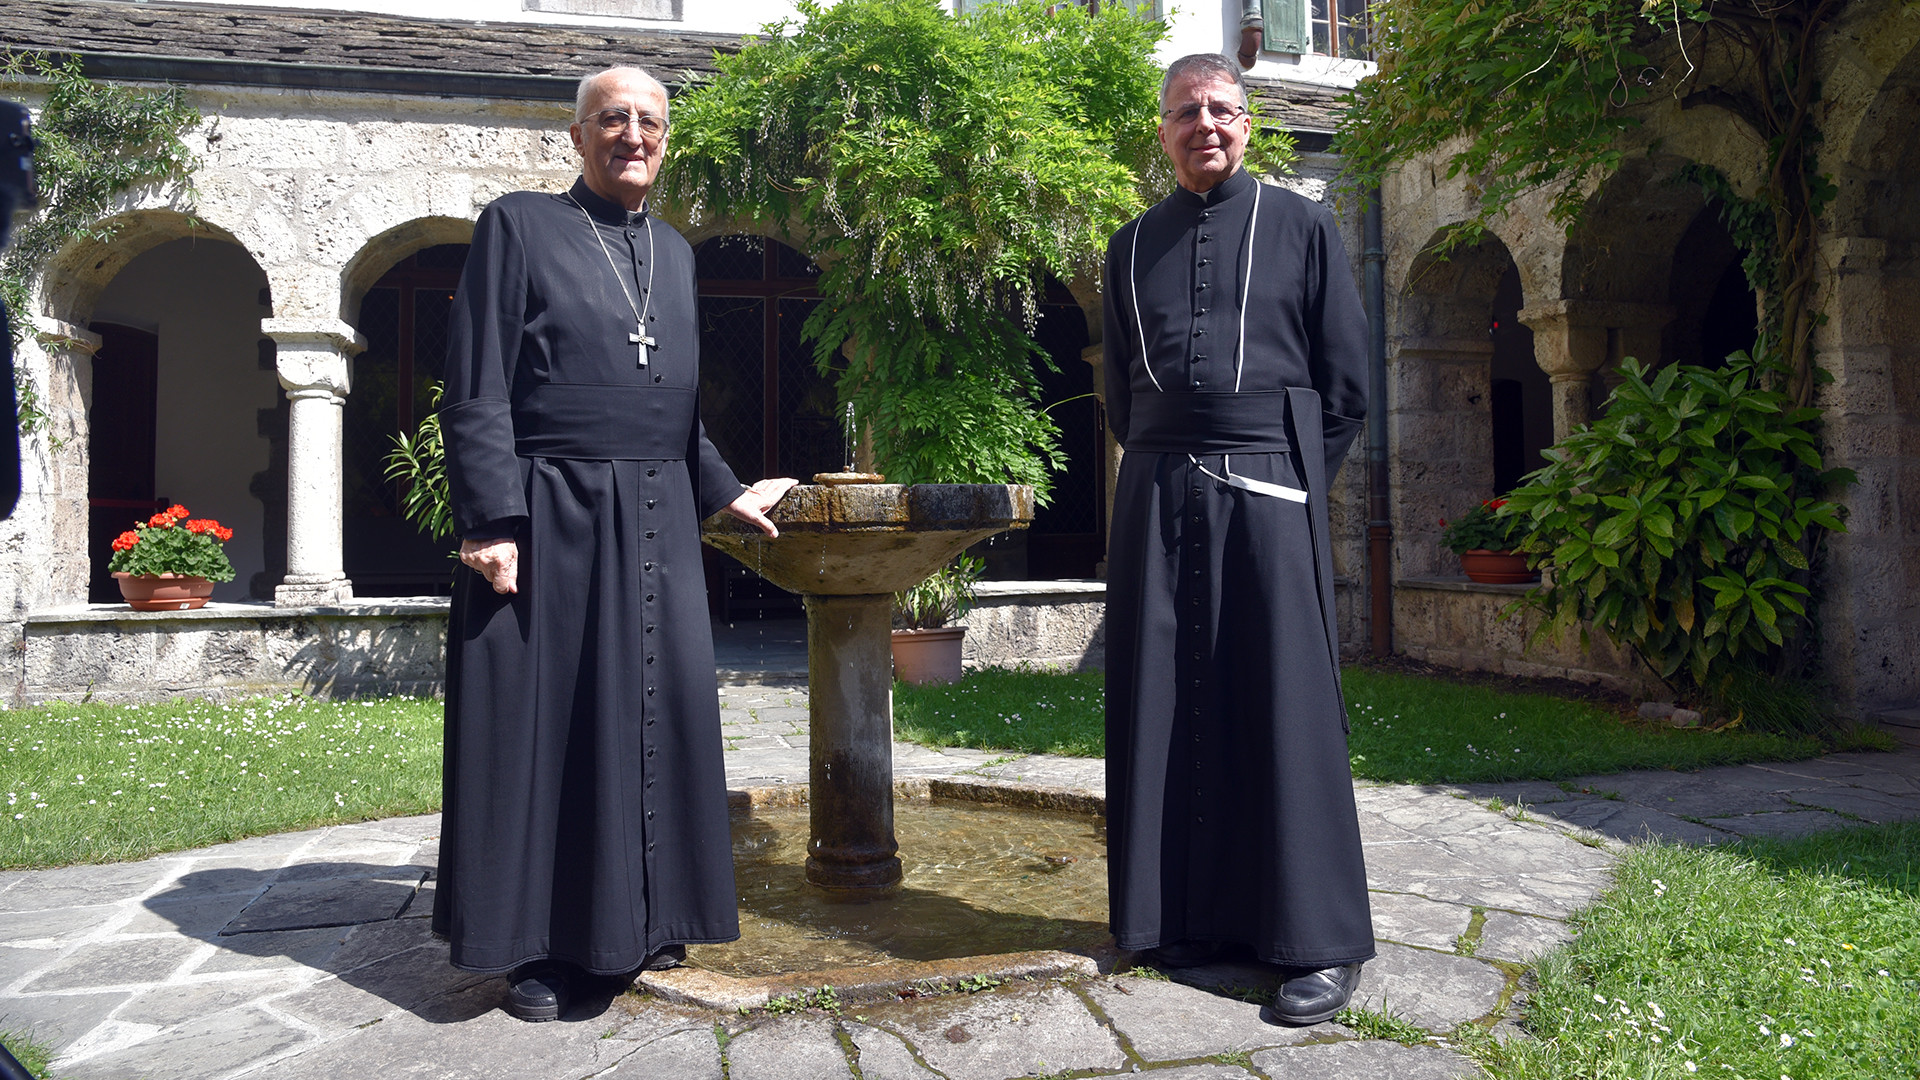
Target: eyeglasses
(1220, 111)
(616, 120)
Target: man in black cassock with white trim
(1235, 379)
(585, 826)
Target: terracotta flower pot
(928, 656)
(1496, 567)
(163, 592)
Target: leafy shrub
(419, 465)
(938, 167)
(1679, 521)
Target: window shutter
(1285, 24)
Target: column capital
(1595, 314)
(340, 334)
(314, 354)
(53, 335)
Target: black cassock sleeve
(483, 343)
(714, 484)
(1117, 340)
(1337, 340)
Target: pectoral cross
(641, 342)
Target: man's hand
(753, 503)
(497, 560)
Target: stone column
(314, 362)
(1574, 339)
(850, 743)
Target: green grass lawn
(1797, 959)
(97, 783)
(1406, 728)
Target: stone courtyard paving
(308, 954)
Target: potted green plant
(925, 648)
(1485, 539)
(171, 562)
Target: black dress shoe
(1313, 997)
(668, 956)
(1185, 954)
(537, 991)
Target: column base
(866, 879)
(312, 590)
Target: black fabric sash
(604, 422)
(1246, 422)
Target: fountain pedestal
(846, 550)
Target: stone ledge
(260, 610)
(1075, 587)
(1462, 584)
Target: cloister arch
(1440, 379)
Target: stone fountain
(846, 549)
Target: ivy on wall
(96, 142)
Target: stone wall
(1456, 623)
(1049, 624)
(109, 654)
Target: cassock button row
(1196, 358)
(646, 566)
(649, 691)
(649, 628)
(649, 598)
(1204, 238)
(1199, 333)
(649, 660)
(650, 534)
(651, 472)
(1204, 262)
(650, 751)
(650, 503)
(1196, 384)
(1205, 214)
(658, 378)
(1195, 491)
(649, 845)
(649, 815)
(1199, 312)
(649, 781)
(1202, 287)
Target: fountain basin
(853, 539)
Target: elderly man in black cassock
(1235, 379)
(585, 826)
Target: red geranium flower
(223, 534)
(178, 511)
(125, 541)
(202, 525)
(161, 520)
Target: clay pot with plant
(925, 648)
(171, 561)
(1486, 539)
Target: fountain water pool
(981, 879)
